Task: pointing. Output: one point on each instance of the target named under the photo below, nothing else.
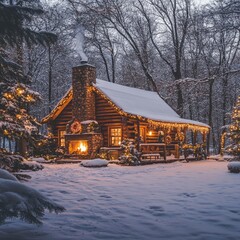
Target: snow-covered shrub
(45, 146)
(103, 154)
(234, 132)
(11, 162)
(20, 201)
(234, 167)
(31, 165)
(94, 163)
(130, 154)
(14, 163)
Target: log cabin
(95, 115)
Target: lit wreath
(76, 127)
(168, 139)
(180, 136)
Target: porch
(159, 152)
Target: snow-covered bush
(20, 201)
(94, 163)
(234, 133)
(31, 165)
(14, 163)
(130, 154)
(45, 146)
(10, 162)
(234, 167)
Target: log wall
(108, 117)
(61, 121)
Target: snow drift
(94, 163)
(234, 167)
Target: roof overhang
(185, 123)
(59, 107)
(172, 123)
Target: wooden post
(124, 128)
(185, 135)
(195, 137)
(138, 135)
(208, 142)
(22, 144)
(204, 139)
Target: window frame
(61, 137)
(144, 133)
(110, 136)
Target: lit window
(62, 138)
(115, 136)
(142, 133)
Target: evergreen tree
(15, 94)
(234, 132)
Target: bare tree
(168, 23)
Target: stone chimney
(83, 102)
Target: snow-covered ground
(183, 201)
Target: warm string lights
(222, 143)
(20, 92)
(154, 124)
(234, 131)
(8, 96)
(180, 126)
(62, 103)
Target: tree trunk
(49, 80)
(210, 120)
(22, 145)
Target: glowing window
(115, 136)
(62, 138)
(142, 133)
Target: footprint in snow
(191, 195)
(105, 196)
(155, 210)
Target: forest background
(188, 53)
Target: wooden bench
(150, 156)
(153, 150)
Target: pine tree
(234, 132)
(15, 93)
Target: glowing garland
(67, 98)
(154, 124)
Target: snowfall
(181, 200)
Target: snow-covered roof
(133, 101)
(143, 103)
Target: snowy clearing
(190, 201)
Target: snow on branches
(234, 132)
(20, 201)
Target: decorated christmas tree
(15, 93)
(234, 132)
